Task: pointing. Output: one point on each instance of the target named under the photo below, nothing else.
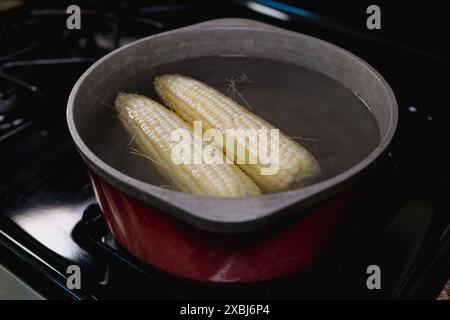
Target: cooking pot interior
(322, 97)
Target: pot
(217, 239)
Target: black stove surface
(48, 219)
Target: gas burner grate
(41, 50)
(92, 234)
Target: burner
(40, 49)
(92, 234)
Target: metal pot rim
(225, 214)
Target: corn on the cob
(195, 101)
(152, 125)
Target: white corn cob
(195, 101)
(152, 125)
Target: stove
(49, 219)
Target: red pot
(186, 251)
(217, 239)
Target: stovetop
(48, 216)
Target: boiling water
(316, 111)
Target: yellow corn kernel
(151, 125)
(195, 101)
